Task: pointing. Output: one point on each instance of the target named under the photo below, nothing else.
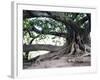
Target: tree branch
(36, 47)
(53, 15)
(60, 34)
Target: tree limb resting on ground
(40, 47)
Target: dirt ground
(61, 62)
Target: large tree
(75, 28)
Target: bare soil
(60, 62)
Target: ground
(60, 62)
